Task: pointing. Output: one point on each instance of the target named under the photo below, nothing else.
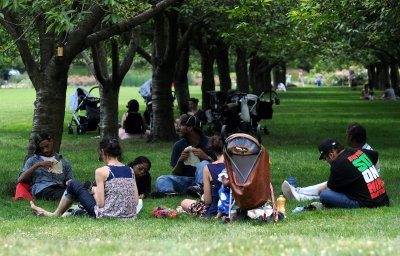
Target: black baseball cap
(327, 145)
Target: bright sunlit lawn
(304, 117)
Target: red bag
(22, 191)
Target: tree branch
(128, 24)
(133, 45)
(142, 52)
(11, 24)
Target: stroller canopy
(247, 164)
(145, 89)
(75, 96)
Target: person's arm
(67, 170)
(123, 118)
(147, 184)
(207, 185)
(30, 168)
(201, 154)
(178, 169)
(101, 175)
(144, 123)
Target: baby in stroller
(84, 100)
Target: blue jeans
(179, 184)
(332, 199)
(82, 195)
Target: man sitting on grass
(46, 171)
(354, 181)
(356, 138)
(189, 156)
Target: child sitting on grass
(224, 197)
(141, 167)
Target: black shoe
(195, 191)
(89, 184)
(163, 194)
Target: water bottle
(281, 204)
(299, 208)
(292, 181)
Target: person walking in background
(288, 79)
(318, 79)
(300, 79)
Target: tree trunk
(383, 75)
(242, 75)
(163, 105)
(207, 72)
(260, 75)
(222, 59)
(109, 110)
(181, 81)
(49, 113)
(164, 61)
(279, 74)
(394, 75)
(372, 76)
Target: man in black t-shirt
(353, 181)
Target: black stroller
(240, 112)
(82, 100)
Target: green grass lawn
(305, 116)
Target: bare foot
(40, 211)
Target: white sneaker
(289, 191)
(318, 205)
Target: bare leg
(219, 215)
(186, 203)
(63, 206)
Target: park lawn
(305, 116)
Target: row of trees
(261, 36)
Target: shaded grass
(305, 116)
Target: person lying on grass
(46, 171)
(115, 193)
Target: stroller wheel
(70, 130)
(266, 131)
(80, 130)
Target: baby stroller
(82, 100)
(239, 112)
(217, 102)
(264, 108)
(247, 165)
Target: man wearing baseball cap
(189, 156)
(354, 180)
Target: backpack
(134, 123)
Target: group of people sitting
(367, 93)
(117, 190)
(198, 165)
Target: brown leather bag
(247, 164)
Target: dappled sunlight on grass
(304, 117)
